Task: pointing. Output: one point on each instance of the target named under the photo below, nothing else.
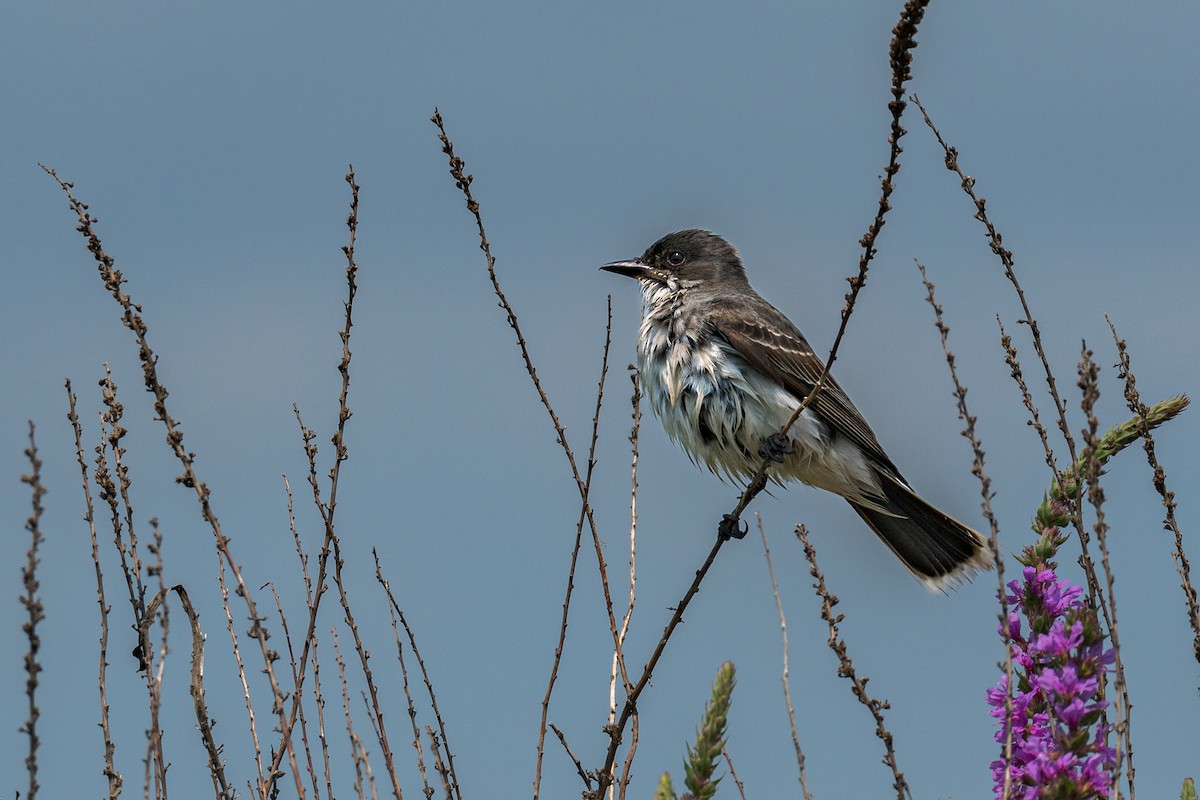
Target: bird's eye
(675, 258)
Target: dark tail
(939, 551)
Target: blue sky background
(211, 140)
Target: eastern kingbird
(724, 370)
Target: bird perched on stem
(725, 370)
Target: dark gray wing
(771, 344)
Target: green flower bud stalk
(665, 791)
(1057, 506)
(703, 756)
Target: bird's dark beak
(630, 269)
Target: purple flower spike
(1058, 729)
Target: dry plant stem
(114, 490)
(374, 727)
(110, 435)
(1089, 384)
(116, 432)
(320, 702)
(132, 319)
(587, 779)
(627, 768)
(996, 243)
(312, 772)
(985, 489)
(196, 688)
(117, 493)
(1170, 523)
(364, 657)
(288, 719)
(846, 668)
(438, 764)
(566, 607)
(630, 706)
(1018, 375)
(412, 710)
(636, 402)
(287, 487)
(733, 774)
(463, 181)
(115, 781)
(154, 750)
(364, 662)
(787, 682)
(358, 753)
(36, 612)
(251, 718)
(449, 776)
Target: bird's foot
(777, 447)
(732, 528)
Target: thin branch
(115, 781)
(985, 489)
(320, 701)
(1089, 384)
(206, 724)
(1159, 478)
(1018, 375)
(584, 511)
(327, 510)
(636, 402)
(450, 777)
(846, 667)
(292, 760)
(358, 753)
(111, 433)
(786, 678)
(235, 646)
(440, 766)
(360, 649)
(587, 779)
(36, 611)
(733, 774)
(463, 181)
(155, 756)
(412, 710)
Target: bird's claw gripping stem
(777, 447)
(732, 528)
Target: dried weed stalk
(31, 601)
(115, 780)
(985, 489)
(221, 787)
(1159, 478)
(846, 668)
(786, 678)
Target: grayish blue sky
(211, 140)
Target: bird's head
(685, 259)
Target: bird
(724, 370)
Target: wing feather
(771, 344)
